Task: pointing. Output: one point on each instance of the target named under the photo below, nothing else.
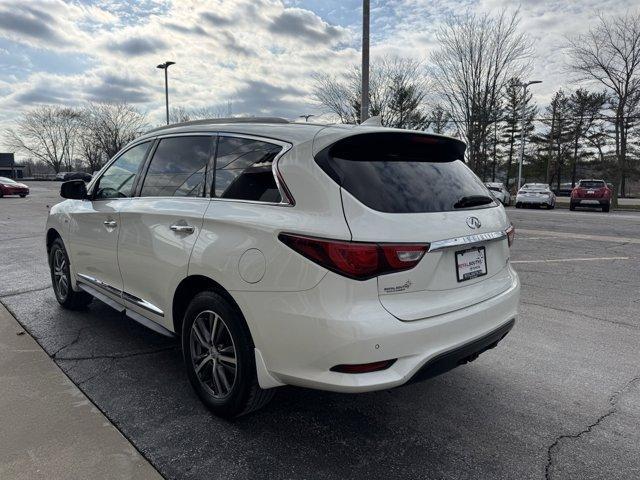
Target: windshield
(6, 180)
(405, 173)
(591, 184)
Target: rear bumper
(590, 201)
(301, 335)
(534, 200)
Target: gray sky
(258, 54)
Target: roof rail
(215, 121)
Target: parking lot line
(589, 259)
(579, 236)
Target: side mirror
(74, 189)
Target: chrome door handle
(110, 223)
(182, 228)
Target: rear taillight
(363, 367)
(511, 234)
(357, 260)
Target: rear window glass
(591, 184)
(404, 173)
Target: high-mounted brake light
(357, 260)
(511, 234)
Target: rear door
(159, 227)
(413, 188)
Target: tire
(227, 391)
(572, 206)
(1, 194)
(61, 279)
(22, 195)
(606, 207)
(551, 206)
(518, 205)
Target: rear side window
(591, 184)
(244, 170)
(405, 173)
(178, 168)
(117, 180)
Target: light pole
(364, 101)
(165, 66)
(306, 117)
(522, 123)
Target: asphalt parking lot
(559, 398)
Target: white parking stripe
(578, 236)
(570, 260)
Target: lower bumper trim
(466, 353)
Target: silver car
(500, 192)
(536, 194)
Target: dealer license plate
(471, 263)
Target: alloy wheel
(213, 353)
(60, 279)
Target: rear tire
(518, 205)
(551, 206)
(219, 357)
(22, 195)
(572, 206)
(606, 207)
(61, 279)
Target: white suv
(344, 258)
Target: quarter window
(178, 168)
(117, 180)
(244, 170)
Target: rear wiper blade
(473, 201)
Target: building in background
(8, 167)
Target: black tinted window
(178, 168)
(244, 170)
(117, 180)
(591, 184)
(404, 173)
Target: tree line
(472, 87)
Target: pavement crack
(586, 315)
(118, 355)
(54, 355)
(613, 403)
(22, 292)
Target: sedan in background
(535, 194)
(500, 192)
(11, 187)
(591, 193)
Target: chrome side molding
(467, 240)
(139, 302)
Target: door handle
(188, 229)
(110, 223)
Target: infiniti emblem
(473, 222)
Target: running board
(150, 324)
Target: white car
(536, 194)
(343, 258)
(500, 192)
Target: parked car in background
(282, 253)
(78, 176)
(60, 176)
(500, 192)
(591, 193)
(564, 190)
(11, 187)
(535, 194)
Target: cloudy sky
(258, 54)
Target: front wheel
(219, 357)
(61, 279)
(22, 195)
(572, 206)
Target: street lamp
(165, 66)
(306, 117)
(522, 120)
(364, 101)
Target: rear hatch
(593, 189)
(414, 188)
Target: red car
(590, 193)
(11, 187)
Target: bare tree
(397, 88)
(112, 125)
(181, 114)
(46, 133)
(477, 57)
(610, 54)
(439, 119)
